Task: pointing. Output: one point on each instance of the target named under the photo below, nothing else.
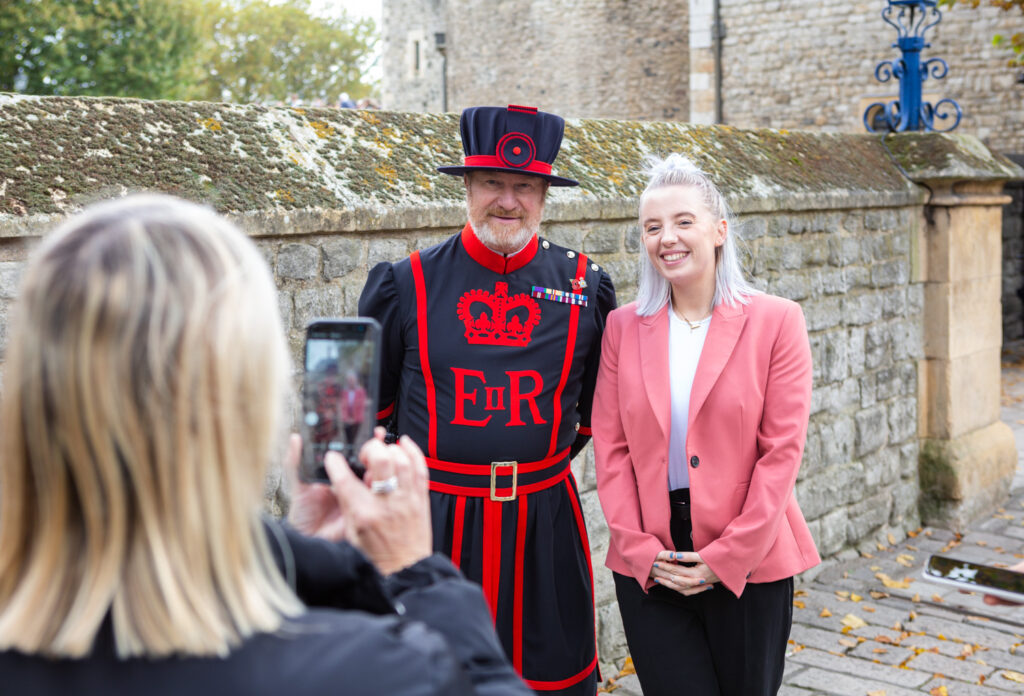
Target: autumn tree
(1015, 42)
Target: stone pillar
(967, 455)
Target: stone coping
(295, 171)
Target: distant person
(145, 378)
(700, 416)
(345, 101)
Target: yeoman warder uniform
(489, 364)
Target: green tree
(1014, 43)
(137, 48)
(266, 51)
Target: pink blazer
(749, 407)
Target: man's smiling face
(505, 208)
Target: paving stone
(883, 653)
(959, 688)
(843, 664)
(964, 633)
(811, 637)
(822, 681)
(967, 670)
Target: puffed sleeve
(780, 441)
(606, 302)
(379, 300)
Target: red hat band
(515, 150)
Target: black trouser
(709, 644)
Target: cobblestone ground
(871, 627)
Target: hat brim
(550, 178)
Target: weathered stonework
(825, 219)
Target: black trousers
(709, 644)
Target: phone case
(975, 577)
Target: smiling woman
(695, 472)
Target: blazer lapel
(726, 326)
(654, 366)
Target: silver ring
(384, 487)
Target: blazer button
(694, 461)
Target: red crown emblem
(502, 321)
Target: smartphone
(1000, 582)
(339, 392)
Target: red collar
(492, 260)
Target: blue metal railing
(911, 19)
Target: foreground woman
(144, 386)
(699, 422)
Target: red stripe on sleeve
(570, 346)
(421, 329)
(386, 411)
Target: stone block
(823, 313)
(829, 532)
(960, 395)
(866, 516)
(834, 350)
(965, 477)
(962, 317)
(872, 429)
(845, 250)
(284, 306)
(905, 512)
(341, 256)
(855, 352)
(298, 261)
(964, 243)
(862, 308)
(881, 468)
(381, 249)
(751, 228)
(792, 286)
(611, 639)
(894, 302)
(902, 420)
(603, 239)
(867, 389)
(597, 528)
(10, 278)
(876, 346)
(322, 301)
(837, 440)
(886, 383)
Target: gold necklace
(693, 325)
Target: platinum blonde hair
(731, 286)
(142, 401)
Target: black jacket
(424, 630)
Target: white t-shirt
(684, 347)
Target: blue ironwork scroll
(911, 19)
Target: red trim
(386, 411)
(421, 329)
(495, 162)
(584, 430)
(522, 109)
(538, 685)
(491, 553)
(482, 469)
(517, 600)
(499, 150)
(485, 491)
(492, 260)
(460, 513)
(570, 345)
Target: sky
(355, 8)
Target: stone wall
(553, 55)
(827, 220)
(1013, 260)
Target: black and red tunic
(489, 364)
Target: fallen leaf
(853, 622)
(915, 598)
(865, 554)
(797, 648)
(906, 560)
(875, 594)
(848, 643)
(868, 609)
(627, 667)
(875, 568)
(910, 547)
(967, 651)
(880, 650)
(799, 604)
(891, 538)
(893, 584)
(856, 597)
(825, 613)
(936, 598)
(913, 533)
(842, 593)
(1012, 676)
(981, 542)
(880, 692)
(800, 593)
(882, 638)
(939, 691)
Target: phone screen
(983, 578)
(339, 394)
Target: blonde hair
(142, 401)
(731, 285)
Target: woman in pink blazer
(699, 423)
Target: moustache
(501, 212)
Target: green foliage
(135, 48)
(238, 50)
(267, 51)
(1014, 43)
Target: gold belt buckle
(515, 476)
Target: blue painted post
(911, 19)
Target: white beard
(505, 242)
